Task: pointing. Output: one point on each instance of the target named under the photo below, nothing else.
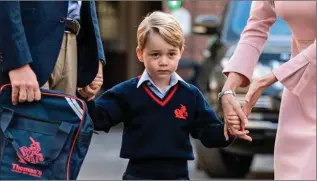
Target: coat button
(62, 20)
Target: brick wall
(195, 44)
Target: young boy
(159, 109)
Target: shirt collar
(146, 77)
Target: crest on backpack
(32, 153)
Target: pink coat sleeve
(296, 73)
(252, 40)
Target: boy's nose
(163, 61)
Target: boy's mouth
(163, 71)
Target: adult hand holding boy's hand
(228, 132)
(89, 92)
(232, 116)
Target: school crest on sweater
(181, 113)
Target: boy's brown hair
(165, 25)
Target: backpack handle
(57, 144)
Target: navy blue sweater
(156, 128)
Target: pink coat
(295, 146)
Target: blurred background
(212, 30)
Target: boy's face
(159, 58)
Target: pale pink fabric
(295, 146)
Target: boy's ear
(182, 50)
(139, 54)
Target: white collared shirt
(74, 9)
(160, 93)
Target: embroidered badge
(181, 113)
(31, 154)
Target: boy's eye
(155, 54)
(172, 54)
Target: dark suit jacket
(32, 32)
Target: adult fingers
(235, 117)
(30, 94)
(237, 126)
(233, 122)
(94, 87)
(99, 75)
(229, 112)
(242, 116)
(82, 93)
(31, 88)
(89, 91)
(15, 94)
(246, 137)
(237, 132)
(22, 93)
(97, 82)
(37, 94)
